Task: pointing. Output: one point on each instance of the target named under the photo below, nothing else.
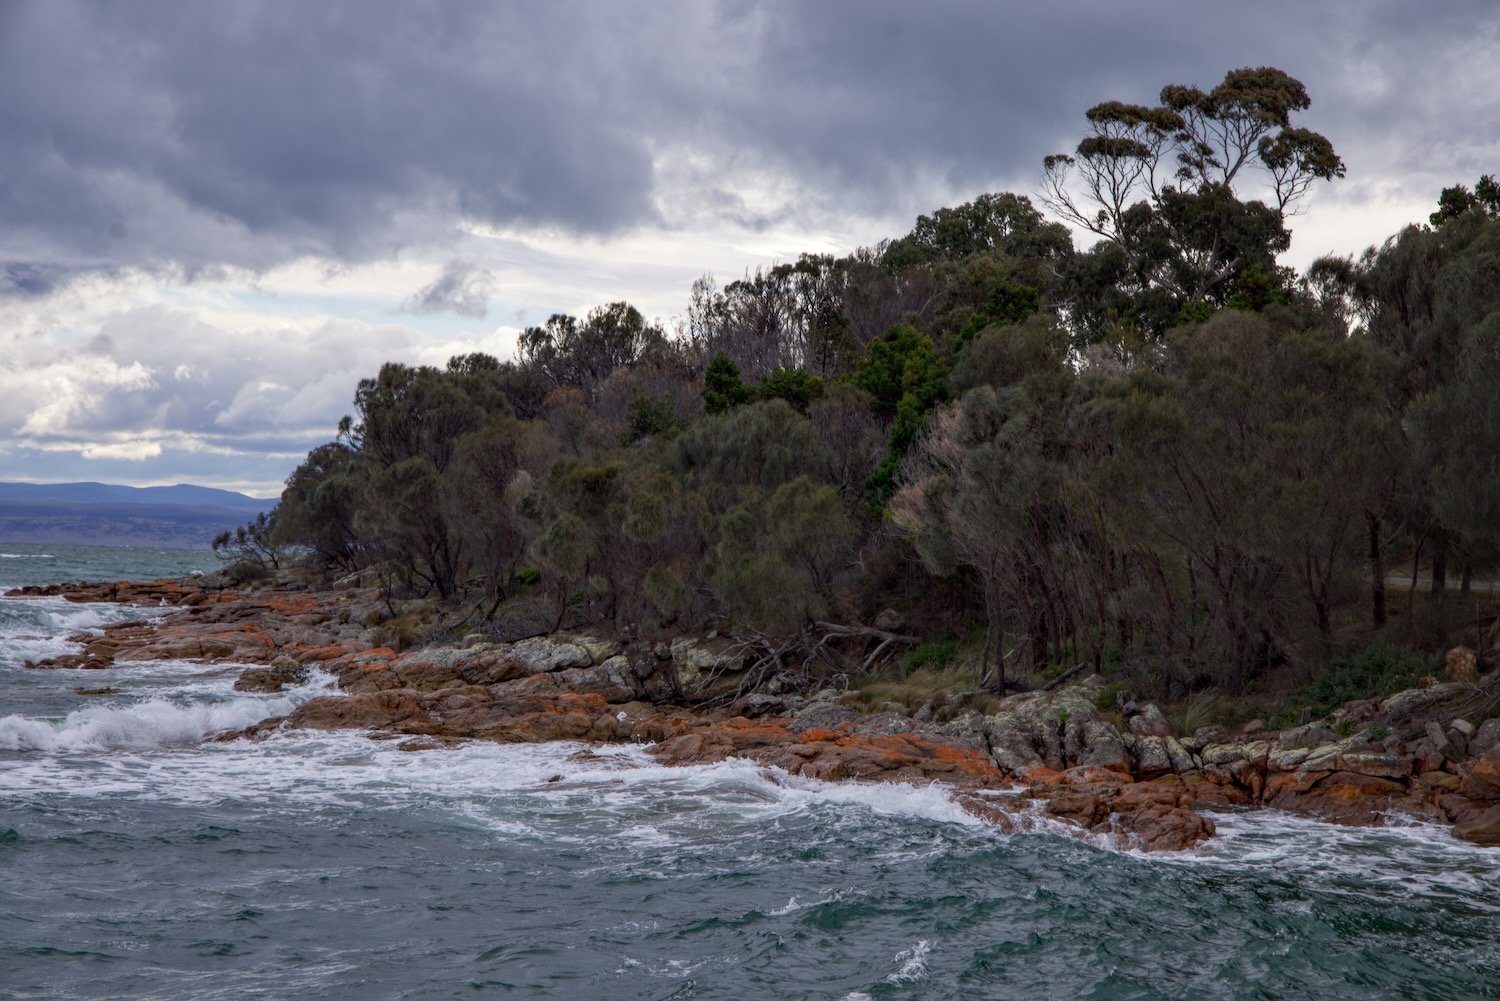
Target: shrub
(243, 572)
(937, 653)
(1375, 672)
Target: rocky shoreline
(1432, 753)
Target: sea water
(139, 858)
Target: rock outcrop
(1045, 756)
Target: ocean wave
(160, 721)
(60, 616)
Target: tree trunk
(1439, 562)
(1377, 571)
(1411, 592)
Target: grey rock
(546, 654)
(822, 715)
(1149, 722)
(1443, 741)
(1308, 735)
(1181, 761)
(613, 679)
(1486, 737)
(1103, 747)
(697, 665)
(1151, 757)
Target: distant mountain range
(107, 514)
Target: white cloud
(131, 451)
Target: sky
(216, 217)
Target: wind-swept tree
(1167, 187)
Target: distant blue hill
(109, 514)
(113, 493)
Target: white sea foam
(59, 617)
(1407, 856)
(514, 791)
(913, 964)
(159, 721)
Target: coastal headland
(1032, 759)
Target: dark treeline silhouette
(1165, 456)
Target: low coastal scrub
(935, 694)
(1374, 672)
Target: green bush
(1109, 695)
(247, 572)
(1375, 672)
(934, 654)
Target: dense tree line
(1164, 455)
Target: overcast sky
(216, 217)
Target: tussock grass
(935, 693)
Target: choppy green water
(137, 861)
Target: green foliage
(1109, 696)
(319, 506)
(1374, 672)
(568, 352)
(938, 653)
(1187, 716)
(1008, 303)
(669, 588)
(902, 366)
(907, 379)
(1009, 355)
(777, 556)
(1164, 187)
(1257, 287)
(760, 445)
(937, 694)
(251, 545)
(992, 222)
(722, 388)
(1163, 454)
(796, 387)
(648, 417)
(1459, 200)
(242, 572)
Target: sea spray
(183, 717)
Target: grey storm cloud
(463, 288)
(191, 136)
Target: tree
(795, 386)
(787, 316)
(566, 352)
(407, 413)
(722, 388)
(761, 445)
(774, 564)
(1457, 200)
(253, 545)
(907, 379)
(1163, 183)
(979, 496)
(1419, 294)
(1004, 223)
(318, 507)
(493, 468)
